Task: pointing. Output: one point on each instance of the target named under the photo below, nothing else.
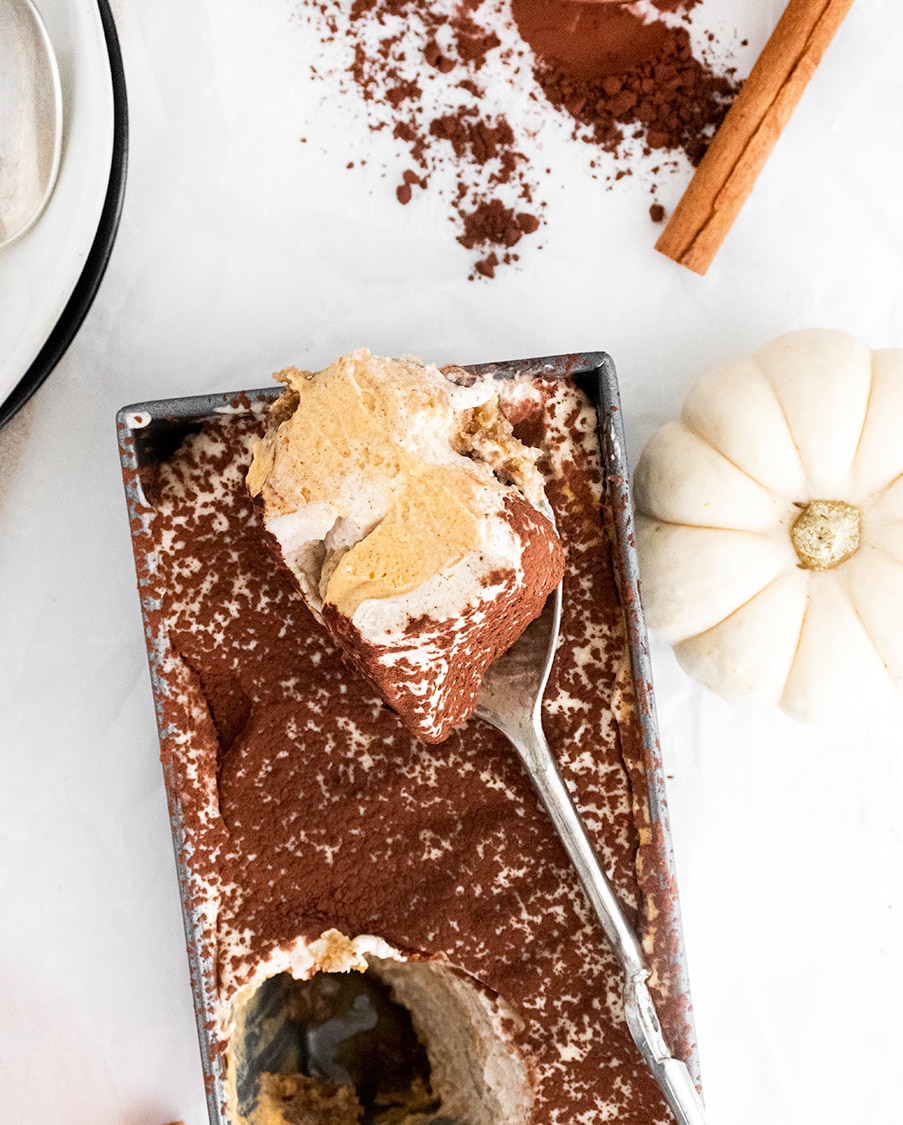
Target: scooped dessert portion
(408, 515)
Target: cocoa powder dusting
(306, 806)
(468, 86)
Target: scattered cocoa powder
(465, 87)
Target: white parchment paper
(243, 249)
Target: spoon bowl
(31, 118)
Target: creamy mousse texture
(406, 511)
(389, 932)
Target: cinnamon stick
(739, 149)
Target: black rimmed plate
(49, 278)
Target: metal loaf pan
(150, 431)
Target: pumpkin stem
(826, 533)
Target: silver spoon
(511, 701)
(31, 118)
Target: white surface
(242, 250)
(39, 271)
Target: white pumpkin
(770, 526)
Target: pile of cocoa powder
(466, 86)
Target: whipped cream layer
(406, 511)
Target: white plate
(39, 272)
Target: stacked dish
(49, 277)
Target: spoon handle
(543, 769)
(671, 1074)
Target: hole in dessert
(405, 1043)
(335, 1047)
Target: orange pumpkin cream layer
(392, 930)
(405, 510)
